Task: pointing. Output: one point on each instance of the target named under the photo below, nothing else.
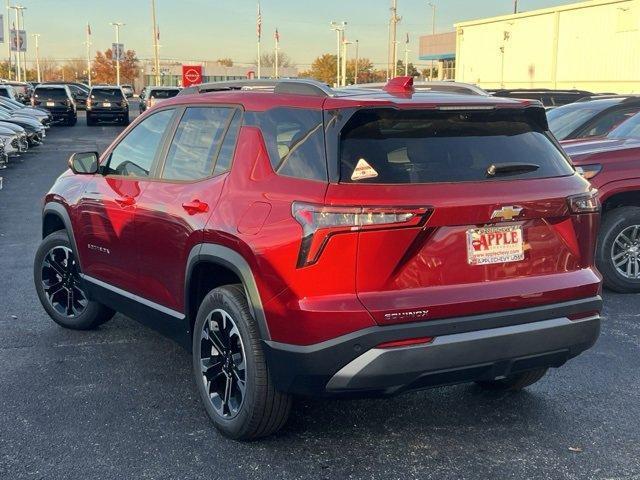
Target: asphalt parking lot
(120, 402)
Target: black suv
(58, 100)
(107, 103)
(152, 95)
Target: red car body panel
(620, 160)
(361, 278)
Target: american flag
(407, 38)
(277, 36)
(157, 32)
(259, 23)
(88, 29)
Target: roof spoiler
(399, 85)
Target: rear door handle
(195, 206)
(125, 201)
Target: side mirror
(84, 163)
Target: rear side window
(295, 141)
(163, 93)
(106, 94)
(51, 93)
(425, 146)
(197, 143)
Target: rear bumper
(480, 347)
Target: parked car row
(21, 128)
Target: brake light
(320, 222)
(584, 202)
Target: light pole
(156, 56)
(24, 54)
(8, 30)
(394, 31)
(433, 31)
(36, 36)
(345, 44)
(17, 9)
(339, 29)
(406, 57)
(117, 26)
(355, 75)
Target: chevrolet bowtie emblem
(507, 213)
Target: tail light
(320, 222)
(150, 102)
(89, 103)
(585, 202)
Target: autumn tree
(412, 70)
(225, 62)
(269, 60)
(73, 70)
(104, 67)
(323, 69)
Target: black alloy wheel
(222, 360)
(61, 282)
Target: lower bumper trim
(481, 355)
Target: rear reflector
(405, 343)
(583, 315)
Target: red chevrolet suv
(301, 240)
(612, 165)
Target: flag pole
(88, 44)
(276, 75)
(406, 57)
(259, 32)
(156, 34)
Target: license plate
(489, 245)
(106, 104)
(51, 104)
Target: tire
(125, 121)
(617, 222)
(90, 121)
(260, 409)
(92, 314)
(514, 382)
(71, 121)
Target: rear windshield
(106, 94)
(564, 120)
(424, 146)
(163, 93)
(53, 93)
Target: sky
(197, 30)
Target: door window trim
(104, 164)
(174, 128)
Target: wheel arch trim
(228, 258)
(59, 210)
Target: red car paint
(619, 159)
(361, 278)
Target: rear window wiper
(510, 168)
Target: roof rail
(288, 86)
